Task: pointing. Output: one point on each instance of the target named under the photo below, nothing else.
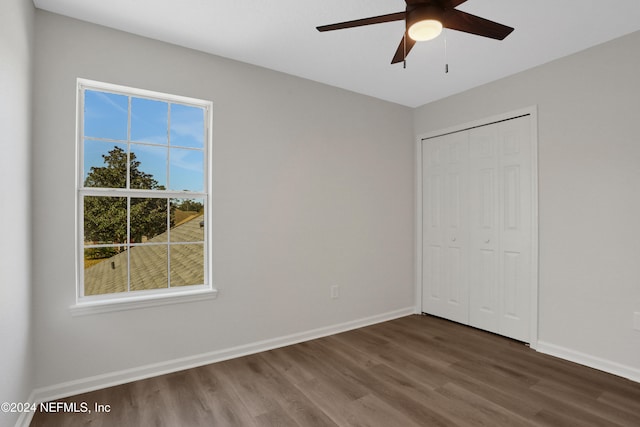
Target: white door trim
(531, 111)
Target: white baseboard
(591, 361)
(85, 385)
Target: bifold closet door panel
(500, 233)
(516, 220)
(484, 241)
(446, 227)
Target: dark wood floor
(414, 371)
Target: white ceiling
(281, 35)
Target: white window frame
(88, 304)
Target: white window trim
(94, 304)
(134, 302)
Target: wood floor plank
(391, 386)
(623, 402)
(413, 371)
(276, 418)
(334, 405)
(420, 402)
(371, 411)
(248, 378)
(225, 404)
(298, 407)
(187, 404)
(484, 411)
(550, 418)
(286, 362)
(576, 398)
(325, 372)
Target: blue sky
(155, 143)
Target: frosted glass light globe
(424, 30)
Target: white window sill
(132, 303)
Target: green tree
(114, 174)
(105, 218)
(190, 205)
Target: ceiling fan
(425, 20)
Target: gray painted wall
(589, 190)
(313, 186)
(16, 52)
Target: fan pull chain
(404, 59)
(446, 63)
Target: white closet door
(484, 228)
(477, 227)
(446, 227)
(501, 228)
(517, 233)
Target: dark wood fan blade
(365, 21)
(453, 3)
(462, 21)
(403, 50)
(446, 4)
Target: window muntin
(143, 201)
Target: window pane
(186, 170)
(141, 190)
(105, 220)
(148, 167)
(149, 265)
(105, 115)
(105, 164)
(187, 265)
(187, 220)
(148, 220)
(105, 270)
(187, 126)
(149, 120)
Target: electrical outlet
(335, 291)
(636, 320)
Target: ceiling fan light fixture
(424, 21)
(427, 29)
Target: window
(143, 198)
